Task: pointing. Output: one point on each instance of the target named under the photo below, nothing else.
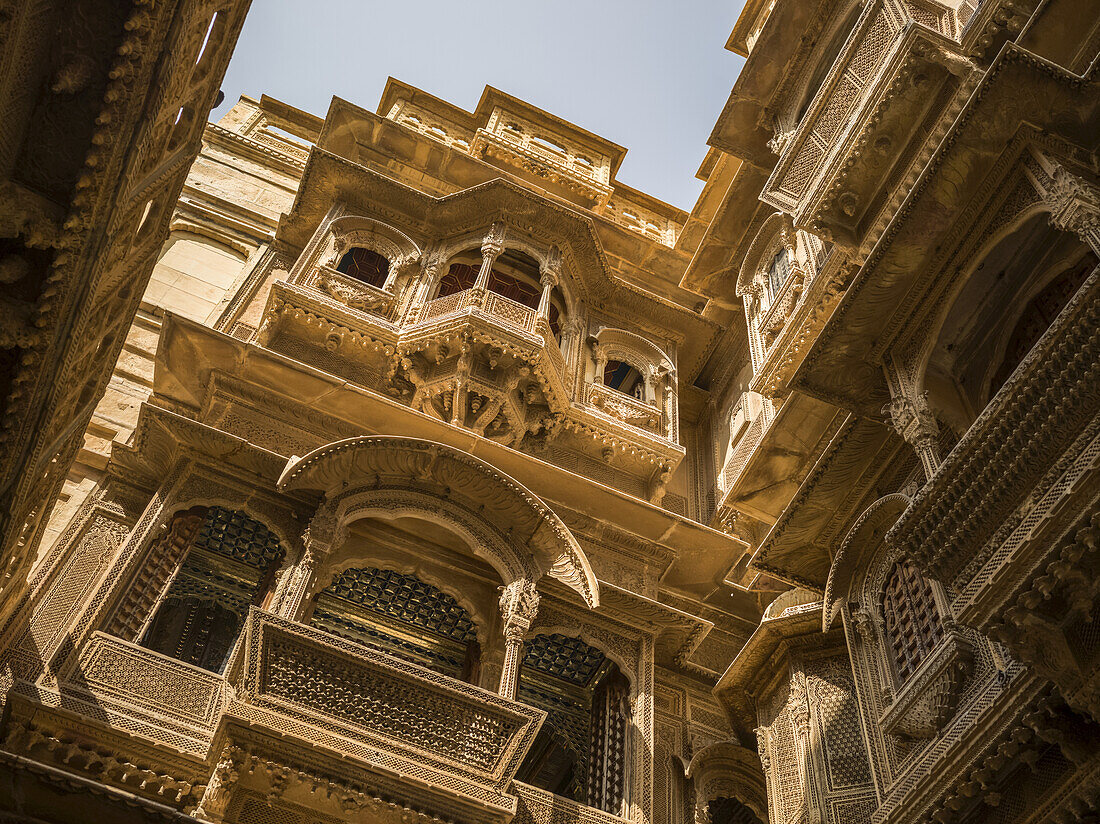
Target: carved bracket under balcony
(928, 699)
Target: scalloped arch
(776, 227)
(387, 476)
(860, 544)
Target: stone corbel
(928, 699)
(215, 798)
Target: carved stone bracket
(928, 699)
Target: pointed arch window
(365, 265)
(402, 616)
(228, 567)
(913, 624)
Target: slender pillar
(549, 275)
(912, 417)
(318, 540)
(600, 356)
(519, 604)
(491, 248)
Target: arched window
(913, 624)
(364, 265)
(401, 616)
(1039, 314)
(580, 751)
(723, 810)
(229, 566)
(459, 278)
(624, 377)
(779, 268)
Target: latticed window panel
(406, 598)
(365, 265)
(913, 623)
(570, 659)
(227, 568)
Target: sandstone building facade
(443, 476)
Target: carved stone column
(600, 356)
(491, 249)
(322, 534)
(914, 421)
(519, 604)
(912, 416)
(428, 278)
(549, 275)
(215, 798)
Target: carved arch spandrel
(383, 475)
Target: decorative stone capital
(912, 418)
(519, 604)
(493, 244)
(1074, 206)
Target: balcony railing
(624, 408)
(503, 309)
(352, 292)
(453, 739)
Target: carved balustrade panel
(362, 703)
(624, 408)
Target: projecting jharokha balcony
(372, 725)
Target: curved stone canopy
(523, 529)
(855, 553)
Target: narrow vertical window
(913, 623)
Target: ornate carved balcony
(877, 115)
(625, 409)
(363, 725)
(928, 699)
(454, 746)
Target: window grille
(365, 265)
(913, 623)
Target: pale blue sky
(651, 76)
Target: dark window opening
(581, 750)
(401, 616)
(913, 623)
(624, 377)
(229, 566)
(778, 270)
(724, 810)
(365, 265)
(1038, 316)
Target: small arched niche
(581, 749)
